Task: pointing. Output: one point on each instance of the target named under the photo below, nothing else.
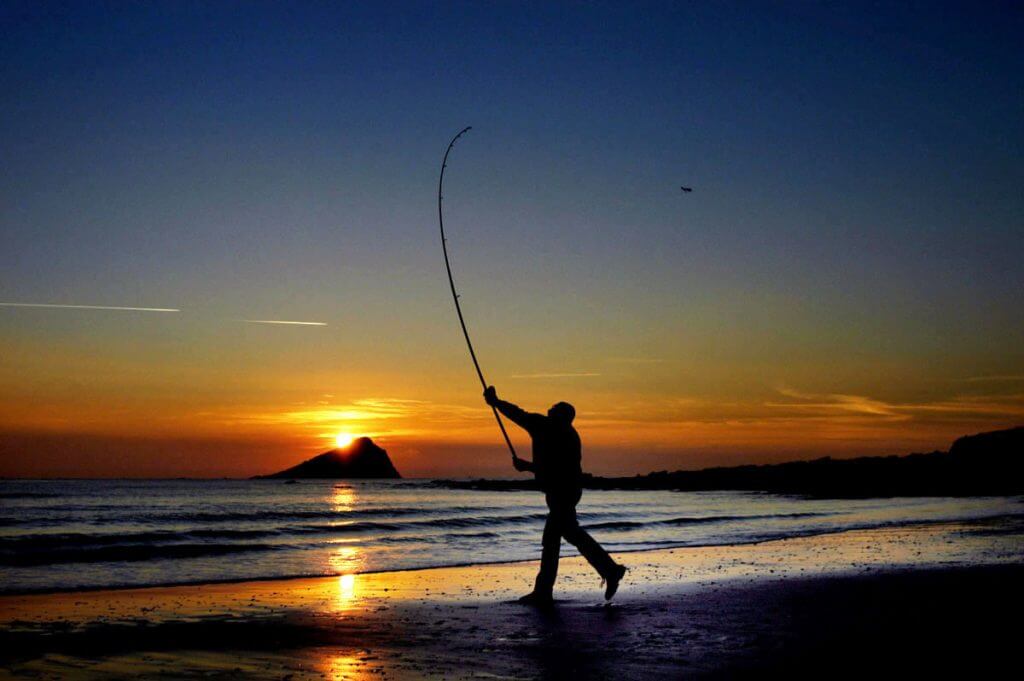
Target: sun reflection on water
(342, 499)
(346, 556)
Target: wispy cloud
(582, 374)
(369, 409)
(372, 415)
(638, 360)
(786, 391)
(834, 405)
(92, 307)
(282, 321)
(989, 379)
(836, 402)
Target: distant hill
(361, 459)
(985, 464)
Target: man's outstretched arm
(516, 415)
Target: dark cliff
(984, 464)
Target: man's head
(563, 413)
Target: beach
(331, 331)
(926, 597)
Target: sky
(844, 279)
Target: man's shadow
(578, 640)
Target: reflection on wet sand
(346, 588)
(346, 667)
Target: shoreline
(888, 540)
(910, 524)
(793, 604)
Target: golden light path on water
(344, 559)
(342, 498)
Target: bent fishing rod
(455, 295)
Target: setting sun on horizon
(343, 440)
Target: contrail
(152, 309)
(93, 307)
(281, 321)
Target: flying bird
(687, 189)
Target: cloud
(282, 321)
(963, 407)
(988, 379)
(373, 416)
(637, 360)
(857, 404)
(584, 374)
(790, 392)
(367, 409)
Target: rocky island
(361, 459)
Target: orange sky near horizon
(236, 405)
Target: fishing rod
(455, 295)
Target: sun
(344, 439)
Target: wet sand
(928, 598)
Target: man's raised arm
(520, 417)
(514, 413)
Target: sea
(74, 534)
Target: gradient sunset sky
(846, 277)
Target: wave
(28, 495)
(439, 538)
(78, 513)
(695, 520)
(244, 516)
(71, 540)
(81, 547)
(442, 523)
(292, 530)
(130, 553)
(57, 549)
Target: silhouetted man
(556, 465)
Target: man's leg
(552, 541)
(591, 550)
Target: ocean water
(83, 533)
